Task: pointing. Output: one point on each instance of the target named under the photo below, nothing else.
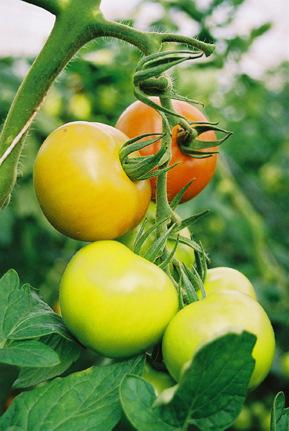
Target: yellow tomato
(114, 301)
(81, 186)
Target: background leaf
(87, 400)
(209, 395)
(23, 315)
(68, 352)
(280, 414)
(29, 353)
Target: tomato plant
(218, 314)
(81, 186)
(184, 253)
(119, 305)
(114, 301)
(139, 118)
(222, 279)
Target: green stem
(53, 6)
(207, 48)
(59, 48)
(144, 41)
(78, 21)
(163, 207)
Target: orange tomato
(81, 186)
(140, 118)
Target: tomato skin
(114, 301)
(158, 379)
(81, 186)
(183, 253)
(218, 314)
(223, 278)
(140, 118)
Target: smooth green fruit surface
(223, 278)
(116, 302)
(203, 321)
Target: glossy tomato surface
(223, 278)
(81, 186)
(140, 118)
(116, 302)
(203, 321)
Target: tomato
(114, 301)
(183, 253)
(81, 186)
(140, 118)
(244, 421)
(158, 379)
(222, 278)
(218, 314)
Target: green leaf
(8, 374)
(67, 351)
(87, 400)
(210, 394)
(23, 315)
(280, 414)
(28, 353)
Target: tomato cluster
(113, 300)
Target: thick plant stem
(78, 21)
(53, 6)
(59, 48)
(163, 206)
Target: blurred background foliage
(249, 198)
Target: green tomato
(158, 379)
(222, 278)
(244, 420)
(183, 253)
(218, 314)
(284, 364)
(114, 301)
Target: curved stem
(144, 41)
(59, 48)
(78, 21)
(53, 6)
(207, 48)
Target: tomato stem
(77, 22)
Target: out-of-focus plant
(249, 199)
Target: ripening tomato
(140, 118)
(222, 278)
(203, 321)
(81, 186)
(114, 301)
(183, 253)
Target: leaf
(7, 376)
(87, 400)
(28, 353)
(280, 414)
(68, 352)
(209, 395)
(23, 315)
